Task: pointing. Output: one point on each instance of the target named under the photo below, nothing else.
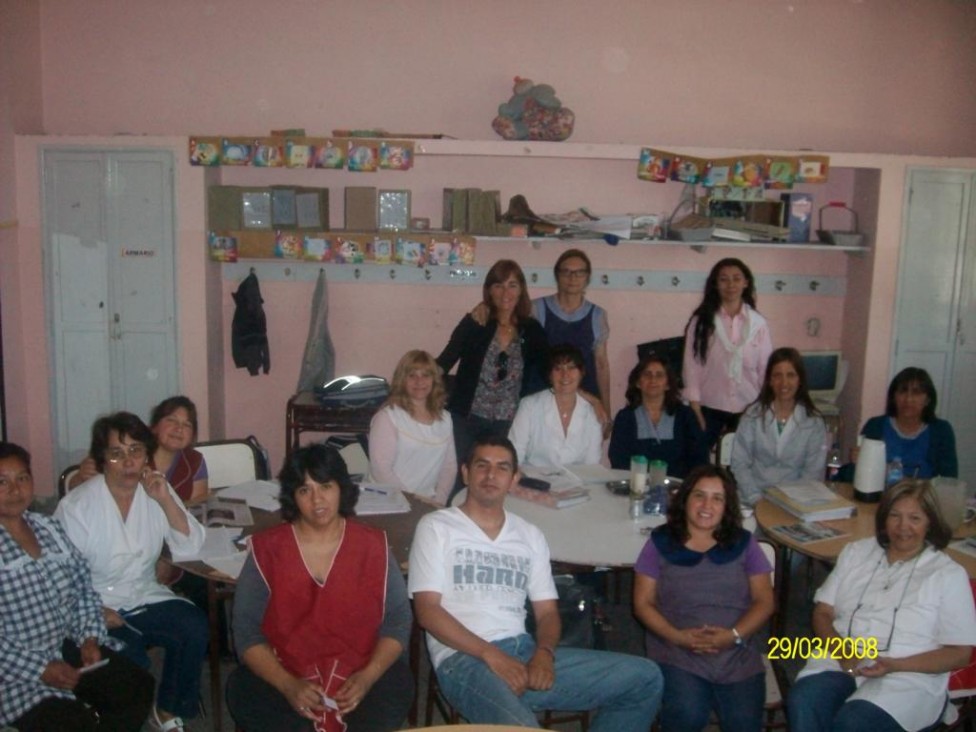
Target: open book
(220, 511)
(807, 533)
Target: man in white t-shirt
(471, 570)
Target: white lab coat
(122, 554)
(763, 457)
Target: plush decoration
(533, 113)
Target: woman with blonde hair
(411, 439)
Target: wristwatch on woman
(739, 640)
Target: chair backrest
(64, 480)
(723, 455)
(355, 457)
(962, 681)
(672, 350)
(230, 462)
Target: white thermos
(870, 471)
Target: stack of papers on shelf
(565, 488)
(810, 500)
(261, 494)
(375, 499)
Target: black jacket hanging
(249, 329)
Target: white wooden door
(936, 311)
(108, 220)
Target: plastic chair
(962, 691)
(723, 453)
(65, 479)
(230, 462)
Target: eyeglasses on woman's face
(135, 451)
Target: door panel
(936, 311)
(109, 237)
(929, 272)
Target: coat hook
(534, 277)
(605, 279)
(640, 280)
(356, 273)
(392, 274)
(779, 285)
(675, 281)
(427, 274)
(814, 284)
(251, 270)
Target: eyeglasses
(501, 364)
(891, 632)
(573, 274)
(894, 614)
(118, 454)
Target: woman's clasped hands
(705, 639)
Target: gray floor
(624, 635)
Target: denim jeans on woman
(181, 629)
(624, 692)
(818, 703)
(690, 699)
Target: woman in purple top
(702, 589)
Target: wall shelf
(634, 280)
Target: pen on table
(370, 489)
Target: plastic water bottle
(895, 471)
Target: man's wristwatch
(739, 640)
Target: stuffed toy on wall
(533, 113)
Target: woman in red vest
(321, 615)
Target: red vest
(324, 632)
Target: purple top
(706, 592)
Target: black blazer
(469, 343)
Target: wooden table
(305, 413)
(399, 530)
(859, 526)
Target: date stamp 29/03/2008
(784, 649)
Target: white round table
(597, 533)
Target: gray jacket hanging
(318, 363)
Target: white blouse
(413, 456)
(934, 608)
(537, 432)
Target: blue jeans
(180, 627)
(624, 691)
(689, 699)
(819, 703)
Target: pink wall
(802, 74)
(752, 75)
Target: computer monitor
(826, 373)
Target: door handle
(116, 327)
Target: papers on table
(376, 499)
(261, 494)
(558, 478)
(220, 510)
(597, 473)
(966, 546)
(231, 566)
(219, 542)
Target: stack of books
(810, 500)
